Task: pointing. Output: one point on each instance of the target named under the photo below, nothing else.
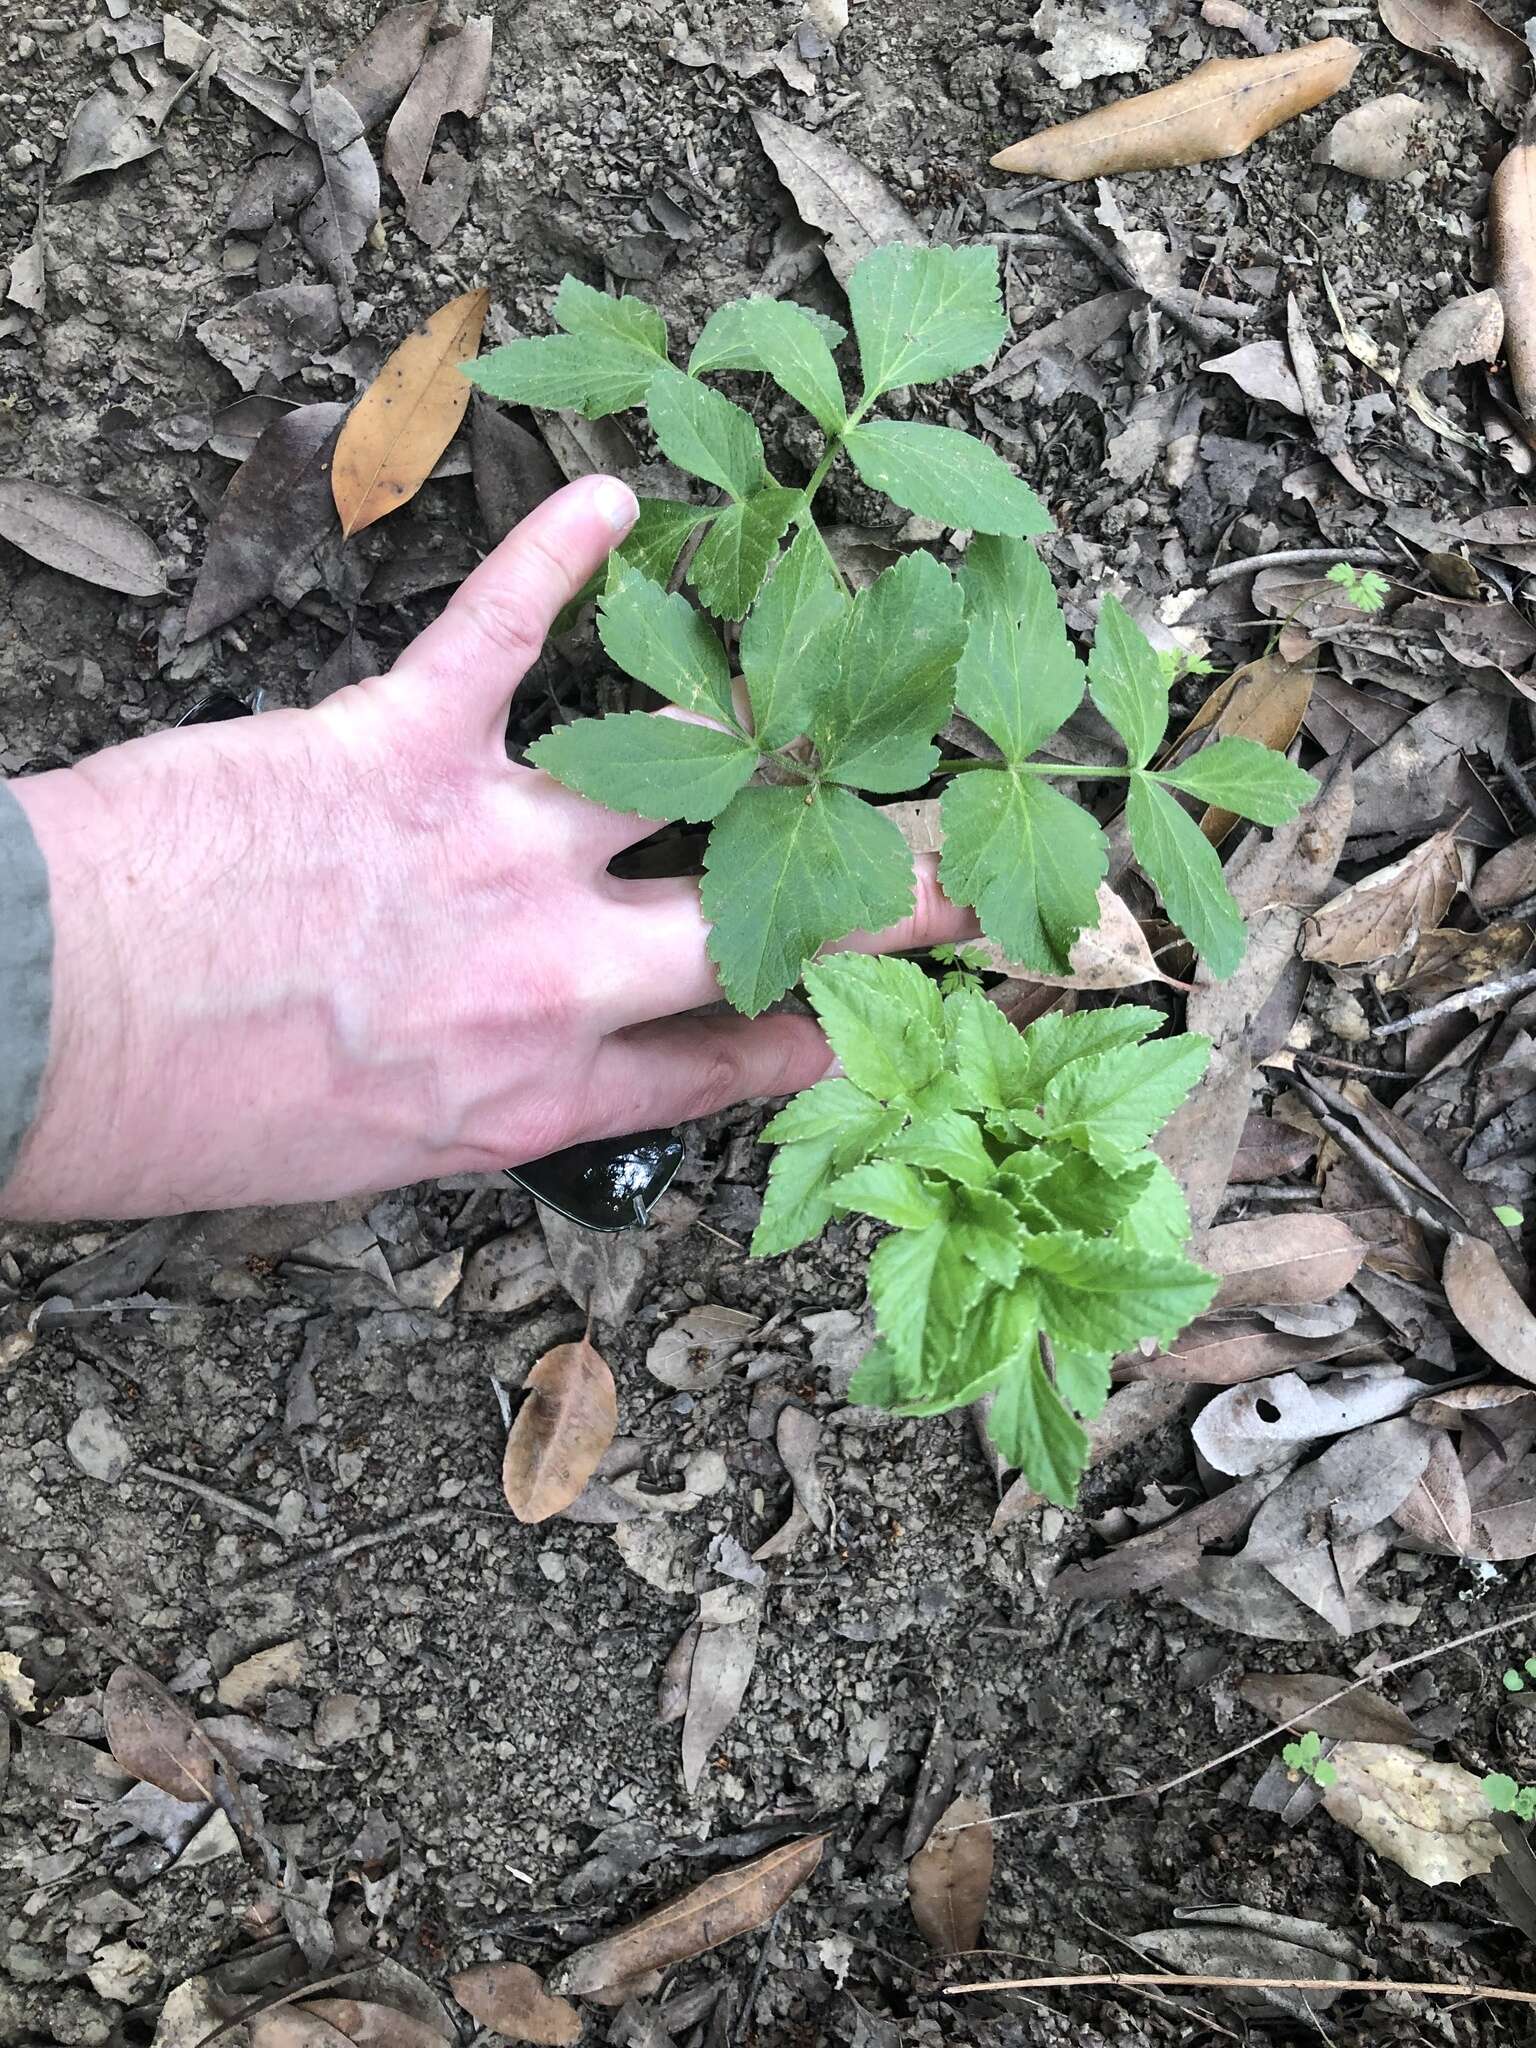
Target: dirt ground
(473, 1703)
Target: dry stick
(216, 1499)
(1285, 558)
(1228, 1756)
(336, 1553)
(1153, 1979)
(1209, 333)
(1466, 999)
(280, 1998)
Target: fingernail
(616, 504)
(835, 1071)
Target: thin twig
(1515, 777)
(336, 1553)
(1338, 1066)
(281, 1998)
(1375, 1168)
(65, 1604)
(1228, 1756)
(1285, 558)
(1464, 999)
(1155, 1980)
(216, 1499)
(1208, 332)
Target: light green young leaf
(1081, 1195)
(942, 474)
(1098, 1295)
(656, 539)
(923, 1289)
(986, 1229)
(1018, 1189)
(895, 1194)
(737, 552)
(1183, 866)
(655, 767)
(922, 314)
(1026, 858)
(1242, 776)
(790, 642)
(874, 723)
(590, 374)
(705, 434)
(877, 1384)
(1052, 1043)
(783, 339)
(820, 1135)
(1158, 1221)
(1110, 1105)
(990, 1056)
(1018, 679)
(884, 1021)
(1126, 679)
(1082, 1380)
(787, 869)
(946, 1143)
(827, 1109)
(663, 641)
(594, 315)
(1029, 1423)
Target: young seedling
(1505, 1795)
(1365, 589)
(1514, 1681)
(1306, 1758)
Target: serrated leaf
(662, 641)
(873, 724)
(942, 474)
(1054, 1042)
(788, 869)
(922, 314)
(884, 1020)
(828, 1129)
(1158, 1221)
(655, 767)
(1127, 681)
(739, 549)
(789, 644)
(1031, 1427)
(783, 339)
(1082, 1380)
(581, 310)
(656, 539)
(1026, 858)
(705, 434)
(1243, 776)
(826, 1109)
(894, 1194)
(923, 1288)
(989, 1055)
(1098, 1295)
(1185, 869)
(948, 1143)
(1081, 1195)
(1018, 678)
(985, 1227)
(587, 373)
(1110, 1105)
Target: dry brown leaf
(1459, 35)
(719, 1671)
(151, 1734)
(731, 1903)
(950, 1876)
(1294, 1699)
(1450, 1409)
(833, 191)
(369, 2025)
(693, 1353)
(1438, 1511)
(1444, 962)
(1263, 370)
(1129, 1414)
(1486, 1305)
(80, 537)
(1512, 230)
(1226, 1351)
(295, 2026)
(1384, 913)
(510, 1998)
(1278, 1259)
(1508, 877)
(564, 1426)
(1428, 1817)
(407, 416)
(1264, 700)
(1376, 140)
(1469, 330)
(1217, 111)
(1263, 1423)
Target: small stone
(98, 1446)
(345, 1717)
(247, 1684)
(123, 1972)
(1345, 1017)
(429, 1286)
(552, 1565)
(214, 1839)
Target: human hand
(324, 952)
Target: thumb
(472, 657)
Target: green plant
(1505, 1795)
(1509, 1215)
(846, 690)
(1306, 1757)
(1513, 1681)
(1365, 589)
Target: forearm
(26, 978)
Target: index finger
(476, 652)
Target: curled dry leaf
(1264, 1423)
(1430, 1818)
(1512, 228)
(1376, 140)
(375, 75)
(151, 1733)
(950, 1876)
(80, 537)
(1280, 1259)
(1263, 370)
(565, 1424)
(833, 191)
(335, 223)
(1438, 1510)
(407, 416)
(1486, 1305)
(1264, 701)
(510, 1998)
(367, 2024)
(453, 79)
(716, 1911)
(105, 134)
(1459, 35)
(1509, 877)
(1469, 330)
(1384, 913)
(719, 1672)
(1217, 111)
(797, 1435)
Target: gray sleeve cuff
(26, 977)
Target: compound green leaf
(1026, 858)
(883, 1019)
(663, 641)
(1053, 1042)
(826, 1130)
(783, 339)
(923, 1289)
(737, 552)
(1099, 1295)
(1183, 866)
(923, 314)
(1082, 1380)
(1127, 681)
(1082, 1195)
(587, 373)
(893, 1193)
(1030, 1425)
(704, 433)
(1018, 677)
(990, 1056)
(655, 767)
(985, 1226)
(947, 1143)
(874, 723)
(789, 644)
(942, 474)
(597, 316)
(1245, 777)
(656, 539)
(1110, 1105)
(786, 870)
